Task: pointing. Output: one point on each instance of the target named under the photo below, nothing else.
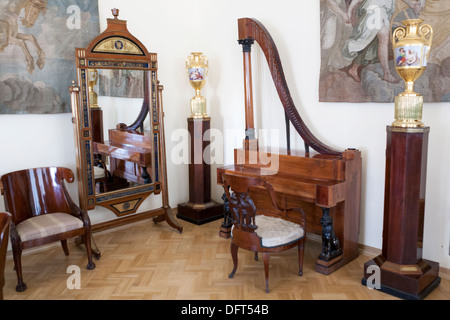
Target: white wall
(173, 29)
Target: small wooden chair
(43, 212)
(262, 231)
(101, 175)
(5, 219)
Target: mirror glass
(116, 97)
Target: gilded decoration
(118, 45)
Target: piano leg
(331, 248)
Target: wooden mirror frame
(116, 48)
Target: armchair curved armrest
(66, 174)
(75, 209)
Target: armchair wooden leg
(234, 249)
(266, 269)
(65, 247)
(17, 255)
(87, 242)
(301, 254)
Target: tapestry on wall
(356, 49)
(37, 52)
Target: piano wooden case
(325, 183)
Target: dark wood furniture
(200, 208)
(43, 212)
(325, 184)
(402, 271)
(133, 151)
(5, 220)
(265, 231)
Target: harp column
(250, 141)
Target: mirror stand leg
(169, 218)
(95, 251)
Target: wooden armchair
(261, 231)
(43, 212)
(5, 219)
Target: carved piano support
(331, 248)
(325, 183)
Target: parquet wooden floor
(144, 260)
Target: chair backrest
(32, 192)
(5, 219)
(241, 205)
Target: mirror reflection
(122, 156)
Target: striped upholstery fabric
(47, 225)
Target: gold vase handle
(426, 33)
(398, 34)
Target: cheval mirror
(118, 124)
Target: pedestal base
(411, 282)
(200, 213)
(327, 267)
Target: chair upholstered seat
(98, 172)
(46, 225)
(276, 232)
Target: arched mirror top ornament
(116, 39)
(120, 160)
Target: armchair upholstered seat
(47, 225)
(262, 230)
(43, 212)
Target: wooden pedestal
(402, 271)
(200, 208)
